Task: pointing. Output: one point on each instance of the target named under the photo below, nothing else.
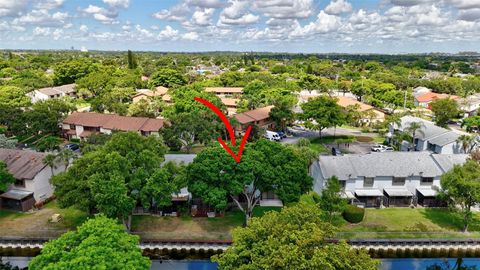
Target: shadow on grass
(450, 220)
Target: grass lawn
(410, 223)
(36, 224)
(199, 228)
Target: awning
(368, 193)
(16, 194)
(347, 195)
(398, 192)
(427, 192)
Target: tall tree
(444, 110)
(468, 142)
(322, 112)
(51, 161)
(461, 188)
(291, 239)
(6, 178)
(413, 129)
(266, 166)
(330, 200)
(132, 61)
(167, 78)
(99, 243)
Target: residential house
(376, 116)
(388, 178)
(32, 179)
(147, 94)
(46, 93)
(424, 100)
(420, 90)
(225, 91)
(469, 105)
(429, 137)
(80, 125)
(231, 104)
(259, 117)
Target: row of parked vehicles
(382, 148)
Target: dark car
(336, 151)
(72, 146)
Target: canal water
(387, 264)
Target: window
(426, 180)
(368, 182)
(19, 183)
(398, 181)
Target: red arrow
(227, 124)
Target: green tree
(444, 110)
(51, 161)
(468, 142)
(48, 143)
(167, 78)
(414, 128)
(472, 122)
(99, 243)
(69, 71)
(5, 177)
(330, 200)
(266, 166)
(66, 156)
(132, 61)
(461, 187)
(7, 143)
(13, 96)
(291, 239)
(322, 112)
(111, 178)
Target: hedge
(353, 214)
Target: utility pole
(405, 100)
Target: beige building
(377, 115)
(147, 94)
(259, 117)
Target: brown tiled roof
(345, 102)
(23, 164)
(220, 90)
(254, 115)
(114, 122)
(159, 91)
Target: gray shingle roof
(399, 164)
(429, 130)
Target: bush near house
(353, 214)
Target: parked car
(272, 136)
(281, 134)
(72, 146)
(336, 152)
(388, 149)
(378, 148)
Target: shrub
(353, 214)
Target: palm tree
(51, 161)
(65, 156)
(414, 128)
(467, 142)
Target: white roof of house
(431, 132)
(368, 193)
(394, 164)
(347, 195)
(398, 192)
(427, 191)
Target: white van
(272, 136)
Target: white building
(67, 90)
(388, 178)
(429, 137)
(32, 177)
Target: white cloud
(168, 34)
(202, 17)
(41, 31)
(466, 4)
(49, 4)
(206, 3)
(470, 15)
(12, 7)
(409, 3)
(117, 3)
(285, 9)
(237, 14)
(192, 36)
(176, 13)
(338, 6)
(101, 14)
(325, 23)
(83, 28)
(42, 17)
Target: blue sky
(368, 26)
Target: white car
(378, 148)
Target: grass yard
(36, 224)
(218, 228)
(410, 223)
